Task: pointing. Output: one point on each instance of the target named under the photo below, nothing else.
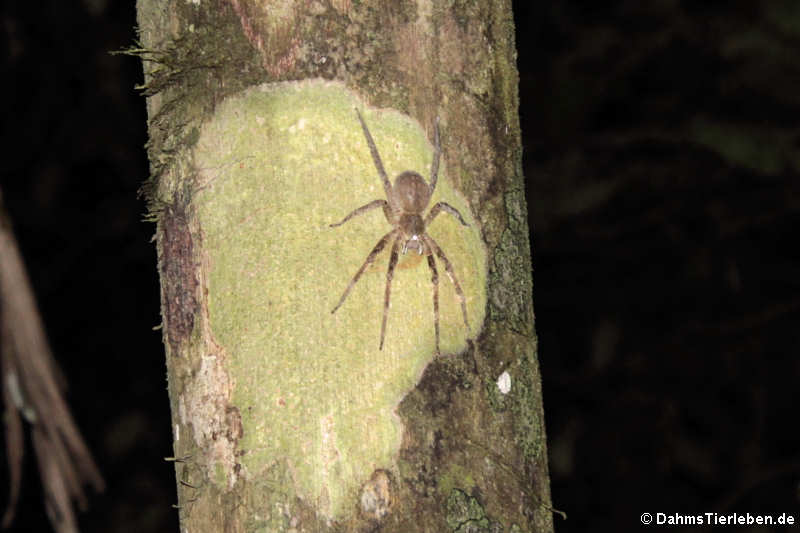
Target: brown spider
(403, 207)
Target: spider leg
(443, 206)
(370, 259)
(451, 274)
(435, 282)
(364, 208)
(389, 276)
(376, 158)
(437, 151)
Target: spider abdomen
(411, 192)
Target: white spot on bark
(504, 382)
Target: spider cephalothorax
(405, 202)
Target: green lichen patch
(466, 515)
(276, 166)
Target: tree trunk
(286, 416)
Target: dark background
(662, 151)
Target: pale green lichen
(276, 165)
(466, 515)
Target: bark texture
(469, 453)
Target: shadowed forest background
(662, 152)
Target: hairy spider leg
(376, 158)
(389, 276)
(448, 267)
(364, 208)
(435, 282)
(443, 206)
(370, 259)
(437, 151)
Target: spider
(405, 202)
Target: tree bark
(290, 418)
